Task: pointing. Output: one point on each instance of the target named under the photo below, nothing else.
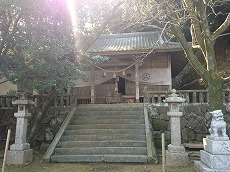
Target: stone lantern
(175, 155)
(20, 152)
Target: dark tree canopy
(38, 40)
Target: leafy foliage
(37, 45)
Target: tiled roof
(139, 41)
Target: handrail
(57, 137)
(151, 150)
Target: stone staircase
(104, 133)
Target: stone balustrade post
(175, 155)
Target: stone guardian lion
(218, 125)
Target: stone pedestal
(216, 154)
(175, 155)
(215, 157)
(20, 152)
(19, 157)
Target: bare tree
(170, 16)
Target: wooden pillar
(170, 69)
(92, 84)
(116, 84)
(137, 82)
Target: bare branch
(196, 46)
(225, 34)
(225, 25)
(11, 33)
(195, 22)
(3, 81)
(227, 78)
(189, 51)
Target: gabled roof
(129, 42)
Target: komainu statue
(218, 125)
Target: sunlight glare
(74, 20)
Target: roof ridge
(123, 35)
(135, 41)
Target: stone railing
(62, 100)
(6, 101)
(83, 101)
(65, 100)
(191, 96)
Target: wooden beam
(169, 56)
(108, 64)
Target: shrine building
(136, 60)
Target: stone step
(107, 121)
(80, 109)
(102, 115)
(110, 107)
(101, 151)
(104, 131)
(106, 126)
(118, 143)
(107, 110)
(99, 158)
(103, 137)
(108, 113)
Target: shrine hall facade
(135, 61)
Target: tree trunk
(39, 115)
(215, 89)
(188, 78)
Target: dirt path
(38, 166)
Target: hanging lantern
(114, 75)
(123, 73)
(104, 74)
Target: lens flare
(73, 15)
(74, 20)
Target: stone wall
(7, 121)
(195, 122)
(50, 124)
